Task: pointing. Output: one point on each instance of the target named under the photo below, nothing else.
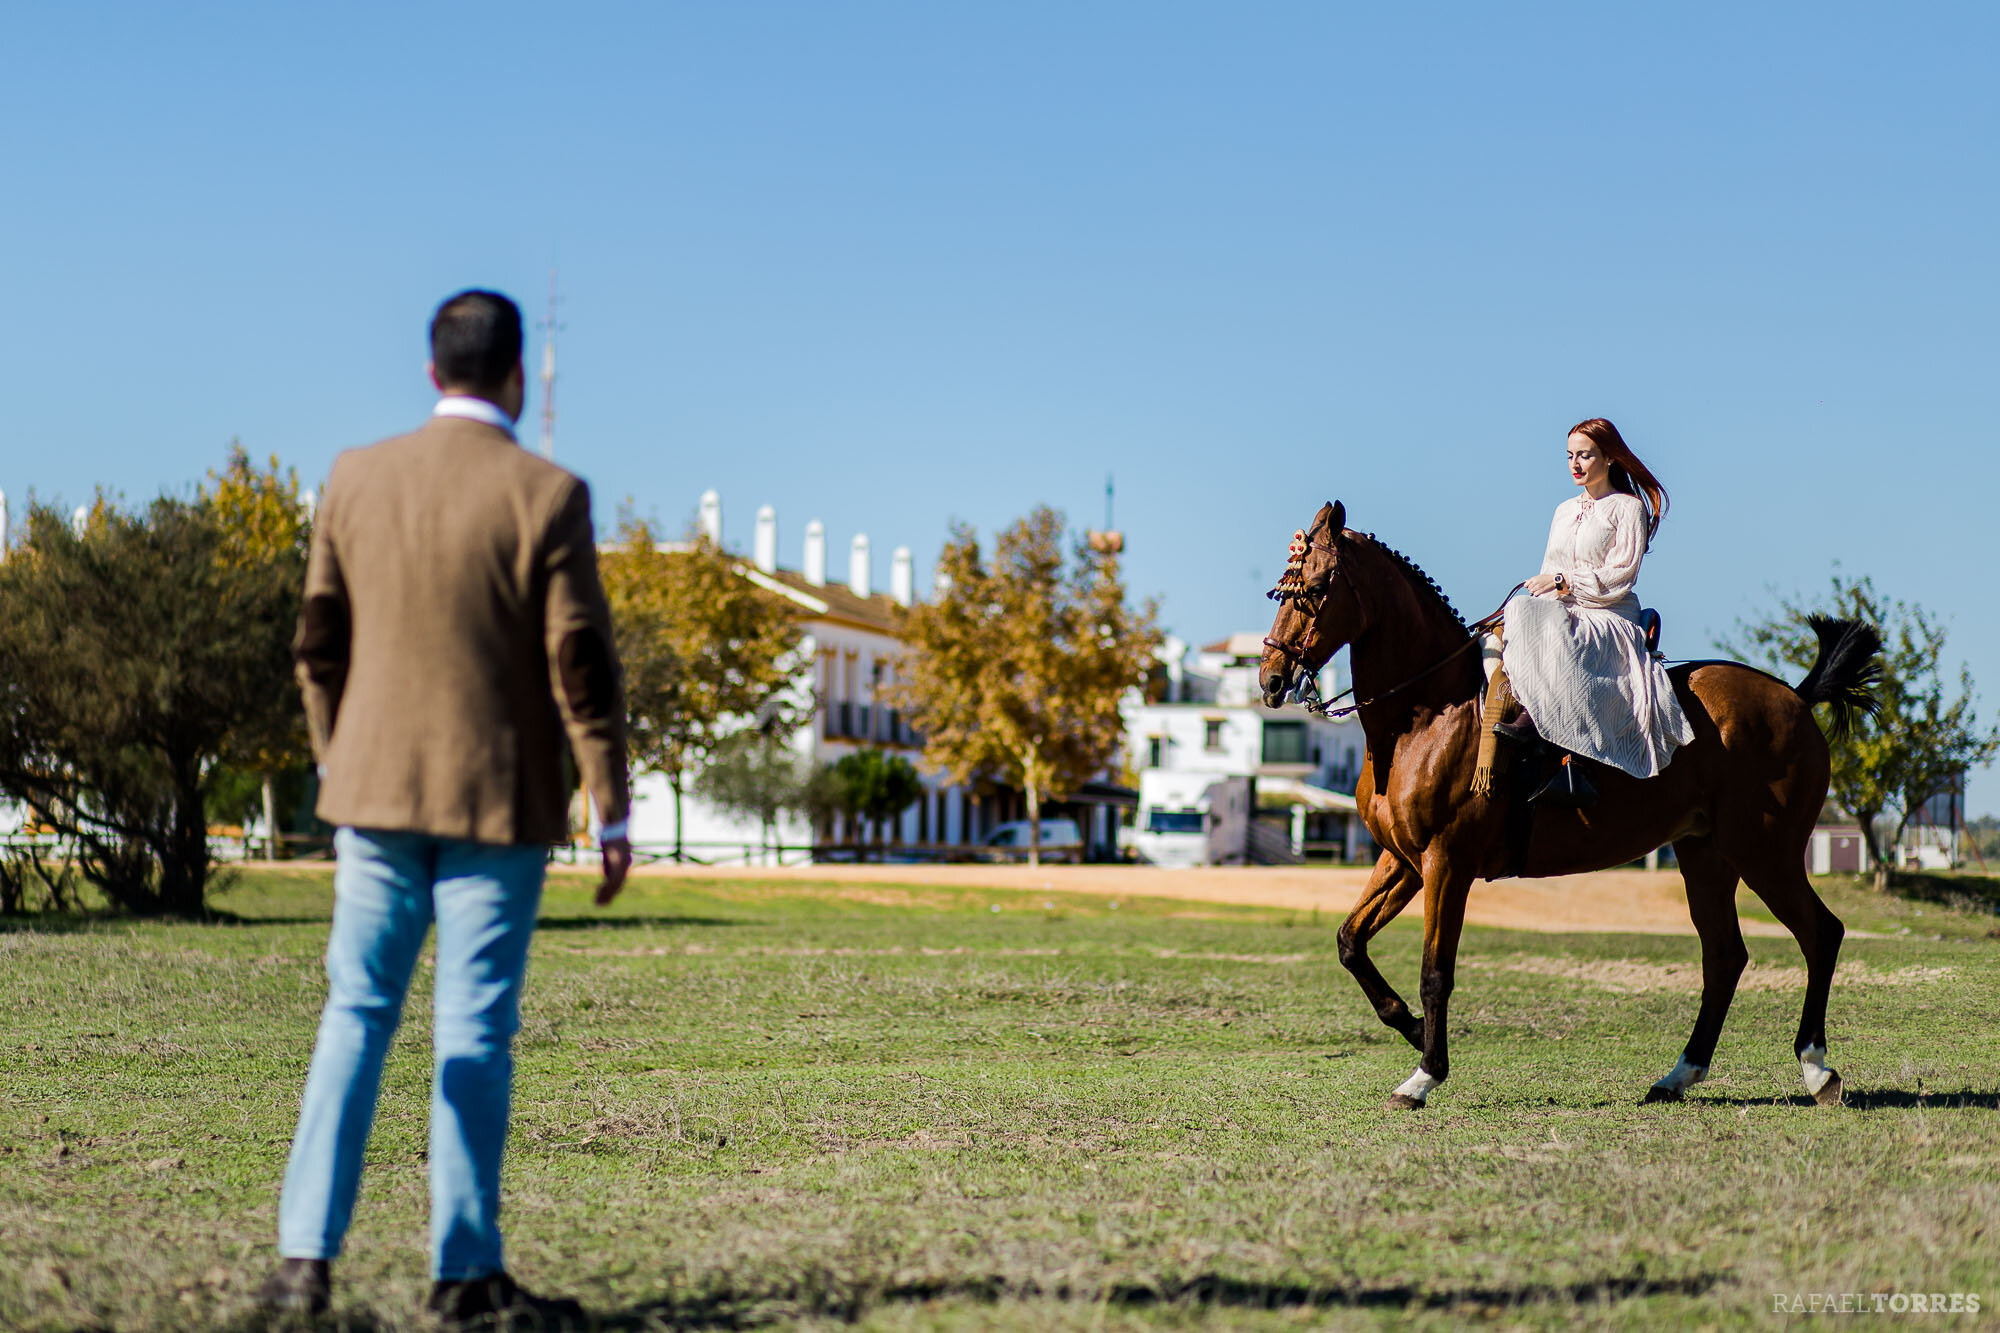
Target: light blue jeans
(387, 890)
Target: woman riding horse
(1738, 802)
(1574, 651)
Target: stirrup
(1568, 789)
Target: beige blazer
(453, 630)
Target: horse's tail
(1846, 672)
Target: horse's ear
(1336, 521)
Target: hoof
(1829, 1095)
(1656, 1093)
(1402, 1102)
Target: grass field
(743, 1104)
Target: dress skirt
(1585, 677)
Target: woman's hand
(1541, 585)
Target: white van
(1061, 839)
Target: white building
(1203, 745)
(850, 653)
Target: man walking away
(453, 631)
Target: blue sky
(891, 265)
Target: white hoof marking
(1682, 1077)
(1812, 1062)
(1417, 1086)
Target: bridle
(1291, 587)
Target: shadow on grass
(1208, 1291)
(608, 921)
(1875, 1099)
(1964, 892)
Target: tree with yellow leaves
(1015, 669)
(265, 524)
(703, 648)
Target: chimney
(711, 516)
(857, 566)
(80, 519)
(766, 553)
(903, 577)
(815, 561)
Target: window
(1284, 742)
(1211, 734)
(1154, 746)
(1174, 821)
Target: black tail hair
(1846, 672)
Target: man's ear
(431, 369)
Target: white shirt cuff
(613, 832)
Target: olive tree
(139, 650)
(1925, 736)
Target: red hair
(1628, 474)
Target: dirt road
(1652, 902)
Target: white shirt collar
(472, 409)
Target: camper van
(1193, 819)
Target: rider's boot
(1521, 730)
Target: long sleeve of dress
(1612, 579)
(1555, 558)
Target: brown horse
(1740, 800)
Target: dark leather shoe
(497, 1301)
(1521, 730)
(298, 1287)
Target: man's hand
(1541, 585)
(617, 861)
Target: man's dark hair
(476, 341)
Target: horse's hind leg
(1781, 881)
(1389, 889)
(1711, 890)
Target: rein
(1308, 688)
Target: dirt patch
(1631, 976)
(1643, 901)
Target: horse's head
(1317, 611)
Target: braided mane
(1424, 582)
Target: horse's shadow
(1876, 1099)
(1212, 1293)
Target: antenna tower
(549, 327)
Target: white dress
(1578, 663)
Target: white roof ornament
(857, 567)
(765, 552)
(814, 565)
(711, 515)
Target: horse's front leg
(1393, 884)
(1445, 889)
